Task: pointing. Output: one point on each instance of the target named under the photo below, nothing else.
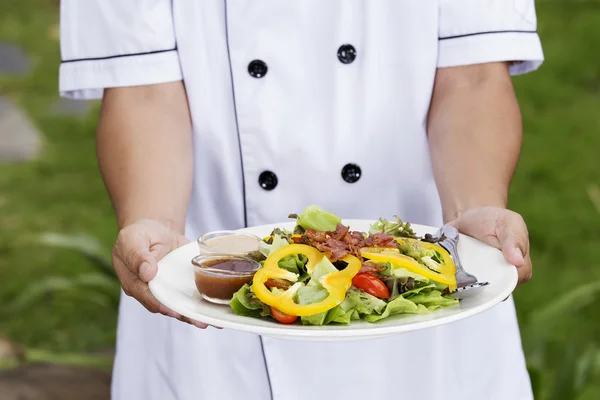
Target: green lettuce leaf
(310, 294)
(314, 292)
(363, 302)
(295, 263)
(433, 299)
(397, 229)
(315, 319)
(339, 316)
(404, 273)
(245, 303)
(316, 218)
(419, 289)
(432, 259)
(321, 269)
(399, 305)
(278, 242)
(414, 250)
(397, 285)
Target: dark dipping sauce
(219, 277)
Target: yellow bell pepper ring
(336, 283)
(432, 246)
(446, 275)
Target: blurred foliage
(69, 303)
(100, 288)
(60, 192)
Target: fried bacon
(282, 284)
(381, 239)
(341, 242)
(368, 266)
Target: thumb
(513, 237)
(133, 249)
(161, 248)
(148, 269)
(158, 250)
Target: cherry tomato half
(282, 317)
(371, 284)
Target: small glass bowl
(228, 242)
(219, 276)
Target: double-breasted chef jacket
(293, 103)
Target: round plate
(174, 287)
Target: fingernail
(145, 271)
(199, 324)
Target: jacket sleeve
(115, 43)
(481, 31)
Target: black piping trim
(237, 125)
(483, 33)
(119, 56)
(262, 349)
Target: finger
(197, 324)
(514, 239)
(159, 250)
(139, 290)
(181, 241)
(132, 248)
(525, 272)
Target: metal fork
(447, 237)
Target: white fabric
(87, 79)
(111, 43)
(480, 31)
(304, 120)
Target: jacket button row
(351, 173)
(258, 68)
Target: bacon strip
(341, 242)
(282, 284)
(368, 266)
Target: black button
(351, 173)
(346, 53)
(257, 69)
(267, 180)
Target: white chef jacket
(293, 103)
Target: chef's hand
(135, 254)
(502, 229)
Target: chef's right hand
(138, 248)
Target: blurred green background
(58, 304)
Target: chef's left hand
(503, 229)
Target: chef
(222, 114)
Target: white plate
(174, 287)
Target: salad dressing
(217, 279)
(233, 244)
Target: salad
(323, 273)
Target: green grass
(63, 192)
(561, 108)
